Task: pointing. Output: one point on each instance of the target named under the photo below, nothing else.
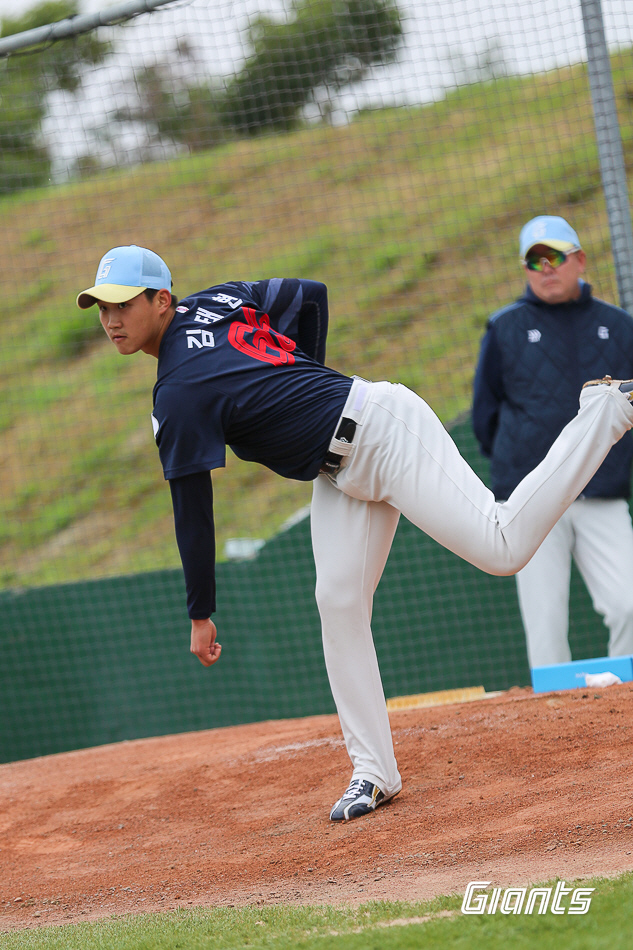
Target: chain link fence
(390, 149)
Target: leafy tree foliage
(322, 46)
(26, 80)
(325, 43)
(174, 108)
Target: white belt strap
(357, 399)
(353, 409)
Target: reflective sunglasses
(535, 260)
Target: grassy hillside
(410, 216)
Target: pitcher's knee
(338, 599)
(499, 551)
(504, 564)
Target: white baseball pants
(597, 533)
(403, 460)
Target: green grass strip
(433, 925)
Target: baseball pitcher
(242, 364)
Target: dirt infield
(513, 789)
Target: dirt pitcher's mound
(512, 789)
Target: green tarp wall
(97, 662)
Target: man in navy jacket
(534, 355)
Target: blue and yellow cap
(123, 273)
(551, 231)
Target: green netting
(107, 660)
(391, 150)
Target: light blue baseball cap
(551, 231)
(125, 272)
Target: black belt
(345, 433)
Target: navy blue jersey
(241, 364)
(231, 371)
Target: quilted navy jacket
(533, 361)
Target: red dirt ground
(513, 789)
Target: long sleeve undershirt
(192, 499)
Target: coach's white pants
(403, 460)
(598, 534)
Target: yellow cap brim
(111, 293)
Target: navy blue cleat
(361, 798)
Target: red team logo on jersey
(265, 344)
